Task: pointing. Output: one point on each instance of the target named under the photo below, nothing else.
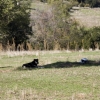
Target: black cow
(32, 64)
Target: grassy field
(87, 17)
(60, 76)
(40, 6)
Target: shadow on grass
(24, 69)
(72, 64)
(63, 65)
(6, 67)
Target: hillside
(88, 17)
(39, 5)
(54, 31)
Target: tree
(53, 28)
(41, 30)
(59, 23)
(95, 35)
(14, 20)
(6, 6)
(91, 38)
(92, 3)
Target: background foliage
(26, 28)
(14, 21)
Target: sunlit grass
(64, 83)
(40, 6)
(89, 17)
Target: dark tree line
(91, 3)
(14, 21)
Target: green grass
(56, 80)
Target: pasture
(60, 76)
(88, 17)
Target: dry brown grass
(89, 17)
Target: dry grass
(87, 17)
(40, 6)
